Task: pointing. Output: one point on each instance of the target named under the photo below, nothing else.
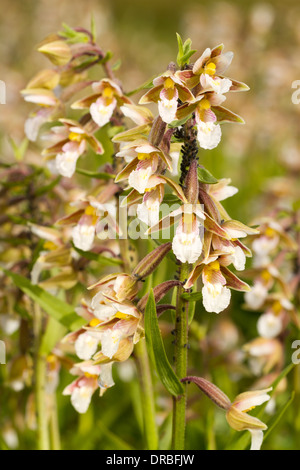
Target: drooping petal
(269, 325)
(215, 297)
(105, 379)
(66, 163)
(81, 398)
(86, 346)
(101, 113)
(138, 179)
(83, 236)
(257, 437)
(208, 135)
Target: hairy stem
(181, 356)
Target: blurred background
(262, 157)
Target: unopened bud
(191, 183)
(159, 292)
(47, 78)
(57, 51)
(151, 261)
(211, 390)
(157, 131)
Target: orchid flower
(107, 96)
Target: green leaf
(19, 150)
(180, 49)
(99, 258)
(73, 36)
(55, 331)
(95, 174)
(206, 177)
(192, 297)
(185, 51)
(93, 27)
(157, 351)
(48, 187)
(56, 308)
(145, 86)
(275, 420)
(180, 122)
(116, 65)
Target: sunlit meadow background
(265, 38)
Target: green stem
(54, 424)
(181, 356)
(40, 384)
(147, 395)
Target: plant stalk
(147, 395)
(181, 357)
(40, 383)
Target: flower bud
(159, 292)
(58, 52)
(211, 390)
(151, 261)
(46, 78)
(191, 183)
(157, 131)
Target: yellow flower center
(249, 409)
(74, 137)
(122, 316)
(144, 156)
(169, 83)
(266, 276)
(90, 210)
(88, 375)
(204, 104)
(108, 92)
(214, 266)
(270, 232)
(94, 322)
(49, 246)
(276, 307)
(210, 68)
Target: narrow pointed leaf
(157, 351)
(56, 308)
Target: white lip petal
(81, 398)
(100, 113)
(269, 325)
(66, 163)
(215, 297)
(257, 437)
(86, 346)
(167, 110)
(208, 135)
(105, 379)
(83, 236)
